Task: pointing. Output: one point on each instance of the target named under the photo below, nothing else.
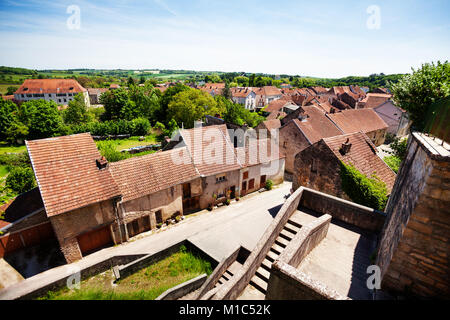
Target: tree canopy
(190, 105)
(418, 91)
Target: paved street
(218, 233)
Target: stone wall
(69, 225)
(414, 250)
(349, 212)
(210, 187)
(292, 141)
(288, 283)
(325, 176)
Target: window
(158, 216)
(251, 184)
(244, 186)
(263, 180)
(245, 177)
(221, 178)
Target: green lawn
(4, 148)
(146, 284)
(131, 142)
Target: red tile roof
(241, 92)
(316, 126)
(258, 152)
(277, 105)
(364, 120)
(373, 100)
(362, 156)
(140, 176)
(67, 173)
(271, 124)
(268, 91)
(32, 86)
(204, 142)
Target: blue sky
(316, 38)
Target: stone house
(79, 194)
(303, 131)
(396, 118)
(95, 93)
(318, 167)
(349, 95)
(259, 163)
(152, 193)
(268, 126)
(91, 203)
(361, 120)
(266, 95)
(244, 96)
(61, 91)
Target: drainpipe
(116, 203)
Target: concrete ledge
(360, 216)
(305, 241)
(288, 283)
(134, 266)
(183, 289)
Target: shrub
(399, 148)
(108, 150)
(269, 184)
(370, 192)
(393, 162)
(15, 159)
(20, 180)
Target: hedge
(135, 127)
(370, 192)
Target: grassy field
(4, 87)
(146, 284)
(4, 148)
(132, 142)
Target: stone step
(282, 242)
(266, 264)
(291, 228)
(259, 284)
(294, 223)
(287, 235)
(263, 274)
(228, 273)
(272, 256)
(226, 276)
(235, 267)
(278, 249)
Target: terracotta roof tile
(373, 100)
(32, 86)
(204, 142)
(362, 156)
(316, 126)
(67, 173)
(258, 152)
(364, 120)
(139, 176)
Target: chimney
(345, 147)
(102, 163)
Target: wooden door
(263, 181)
(95, 240)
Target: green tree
(130, 81)
(114, 101)
(161, 114)
(226, 93)
(21, 179)
(77, 111)
(416, 92)
(8, 115)
(42, 118)
(11, 90)
(191, 105)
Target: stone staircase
(261, 278)
(229, 273)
